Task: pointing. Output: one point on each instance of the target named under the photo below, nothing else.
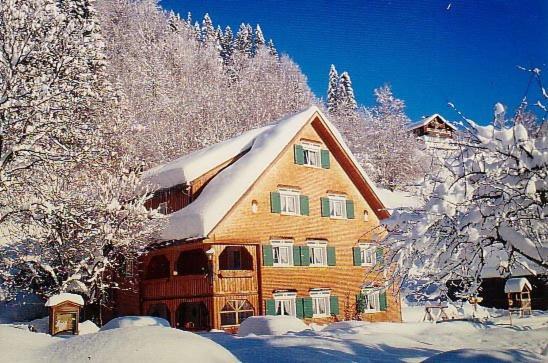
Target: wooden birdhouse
(518, 291)
(64, 313)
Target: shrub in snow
(271, 325)
(139, 344)
(133, 321)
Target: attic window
(254, 206)
(365, 215)
(311, 154)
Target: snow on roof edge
(516, 284)
(62, 297)
(200, 217)
(426, 120)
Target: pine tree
(244, 41)
(333, 90)
(272, 49)
(208, 31)
(227, 47)
(258, 40)
(346, 99)
(197, 32)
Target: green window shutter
(383, 302)
(268, 258)
(299, 305)
(331, 256)
(349, 209)
(326, 164)
(305, 256)
(357, 253)
(305, 210)
(334, 304)
(360, 303)
(325, 207)
(299, 154)
(270, 307)
(275, 203)
(379, 256)
(307, 307)
(296, 256)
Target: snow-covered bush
(271, 325)
(490, 202)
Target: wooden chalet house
(434, 126)
(275, 221)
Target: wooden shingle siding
(242, 225)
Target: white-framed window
(162, 208)
(321, 303)
(284, 303)
(368, 254)
(282, 252)
(337, 206)
(371, 303)
(312, 154)
(289, 202)
(318, 253)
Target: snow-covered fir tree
(208, 31)
(346, 99)
(271, 48)
(227, 47)
(258, 39)
(333, 90)
(244, 40)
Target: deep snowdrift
(134, 321)
(271, 325)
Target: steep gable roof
(201, 216)
(426, 121)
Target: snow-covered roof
(200, 217)
(191, 166)
(516, 284)
(65, 296)
(426, 121)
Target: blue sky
(430, 52)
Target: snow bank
(484, 356)
(87, 327)
(516, 284)
(271, 325)
(135, 321)
(139, 344)
(65, 296)
(226, 188)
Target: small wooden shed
(64, 313)
(518, 290)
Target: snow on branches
(487, 209)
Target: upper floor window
(337, 207)
(318, 253)
(311, 154)
(282, 252)
(289, 201)
(368, 254)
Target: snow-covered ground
(525, 341)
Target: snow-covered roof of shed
(191, 166)
(199, 218)
(427, 120)
(516, 284)
(65, 296)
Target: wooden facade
(436, 127)
(234, 266)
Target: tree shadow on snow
(312, 348)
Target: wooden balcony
(236, 281)
(176, 286)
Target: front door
(192, 316)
